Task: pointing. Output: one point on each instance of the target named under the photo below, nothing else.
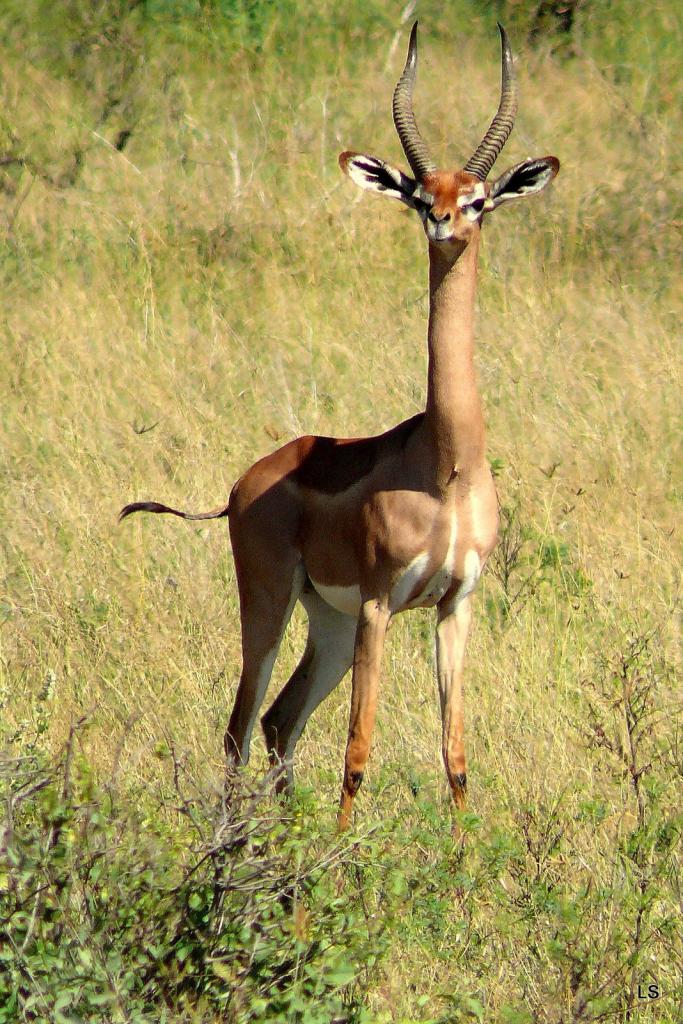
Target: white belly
(348, 599)
(344, 599)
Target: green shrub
(111, 909)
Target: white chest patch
(407, 581)
(435, 587)
(471, 574)
(345, 599)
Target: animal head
(451, 203)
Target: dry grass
(215, 290)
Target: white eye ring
(473, 203)
(474, 208)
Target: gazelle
(361, 529)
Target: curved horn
(413, 146)
(497, 134)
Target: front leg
(367, 664)
(451, 638)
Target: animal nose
(442, 218)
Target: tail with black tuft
(155, 506)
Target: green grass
(175, 308)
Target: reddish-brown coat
(409, 515)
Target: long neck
(453, 417)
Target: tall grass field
(187, 282)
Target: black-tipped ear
(374, 175)
(522, 180)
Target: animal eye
(422, 202)
(477, 205)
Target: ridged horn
(402, 107)
(484, 157)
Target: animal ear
(522, 180)
(375, 175)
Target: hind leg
(325, 662)
(264, 519)
(265, 612)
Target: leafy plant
(112, 911)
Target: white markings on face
(345, 599)
(474, 203)
(422, 203)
